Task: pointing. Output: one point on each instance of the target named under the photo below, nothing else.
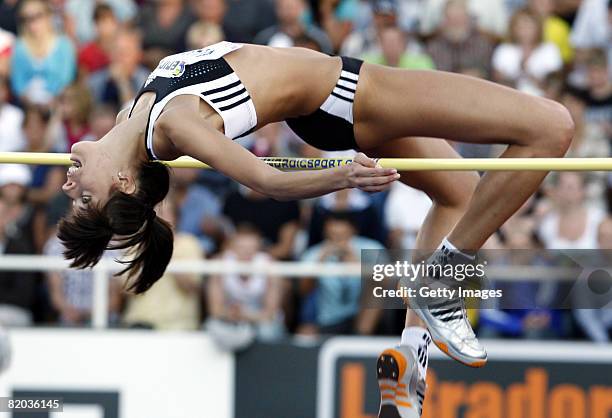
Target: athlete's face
(92, 177)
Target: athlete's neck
(125, 142)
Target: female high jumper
(195, 103)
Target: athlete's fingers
(362, 159)
(377, 181)
(358, 175)
(374, 172)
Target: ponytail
(154, 251)
(126, 221)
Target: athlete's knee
(564, 129)
(555, 137)
(460, 193)
(467, 183)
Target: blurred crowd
(68, 66)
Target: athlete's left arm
(122, 115)
(193, 136)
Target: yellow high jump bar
(402, 164)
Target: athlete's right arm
(193, 136)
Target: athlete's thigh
(444, 187)
(392, 103)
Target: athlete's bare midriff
(285, 82)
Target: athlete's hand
(366, 174)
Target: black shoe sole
(387, 368)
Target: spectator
(567, 9)
(174, 302)
(74, 109)
(11, 120)
(489, 16)
(290, 14)
(244, 306)
(556, 30)
(164, 24)
(267, 141)
(246, 18)
(403, 229)
(458, 44)
(598, 92)
(348, 201)
(409, 15)
(71, 290)
(199, 209)
(336, 18)
(7, 40)
(524, 311)
(212, 12)
(277, 221)
(82, 12)
(43, 61)
(101, 121)
(589, 142)
(332, 303)
(366, 42)
(46, 180)
(394, 52)
(593, 29)
(117, 85)
(17, 289)
(596, 321)
(526, 60)
(202, 34)
(8, 15)
(20, 215)
(95, 55)
(571, 223)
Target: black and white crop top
(206, 74)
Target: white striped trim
(225, 92)
(346, 94)
(236, 121)
(348, 84)
(352, 76)
(232, 100)
(338, 107)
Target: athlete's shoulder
(211, 52)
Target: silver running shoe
(402, 388)
(445, 317)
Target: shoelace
(453, 310)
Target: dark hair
(32, 110)
(102, 10)
(341, 216)
(44, 3)
(528, 13)
(126, 221)
(246, 228)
